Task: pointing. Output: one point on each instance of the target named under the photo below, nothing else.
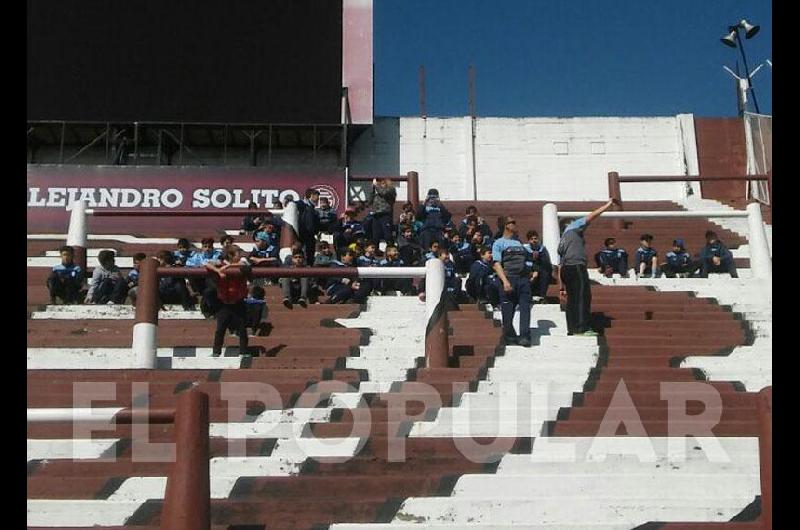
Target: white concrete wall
(543, 158)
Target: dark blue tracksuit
(646, 255)
(717, 249)
(394, 284)
(434, 217)
(463, 256)
(679, 262)
(341, 239)
(65, 282)
(612, 261)
(539, 261)
(481, 284)
(337, 290)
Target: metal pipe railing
(760, 259)
(187, 501)
(615, 192)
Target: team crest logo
(330, 193)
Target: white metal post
(76, 235)
(551, 235)
(760, 260)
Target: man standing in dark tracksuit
(510, 258)
(308, 222)
(574, 276)
(381, 198)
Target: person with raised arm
(574, 275)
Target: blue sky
(566, 58)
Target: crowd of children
(366, 235)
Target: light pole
(732, 39)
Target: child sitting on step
(107, 285)
(66, 280)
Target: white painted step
(593, 508)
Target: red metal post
(413, 188)
(187, 504)
(765, 453)
(615, 192)
(147, 293)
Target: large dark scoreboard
(211, 61)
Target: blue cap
(678, 243)
(262, 236)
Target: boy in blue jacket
(481, 285)
(66, 279)
(646, 257)
(679, 262)
(715, 257)
(540, 265)
(463, 253)
(434, 217)
(612, 260)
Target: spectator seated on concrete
(297, 246)
(715, 257)
(612, 259)
(171, 289)
(257, 310)
(271, 228)
(463, 253)
(390, 285)
(249, 223)
(347, 231)
(473, 219)
(107, 285)
(679, 262)
(646, 258)
(183, 253)
(204, 287)
(481, 285)
(295, 290)
(323, 258)
(340, 290)
(540, 265)
(66, 279)
(411, 251)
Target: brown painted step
(659, 413)
(74, 488)
(93, 468)
(687, 346)
(664, 350)
(280, 514)
(62, 431)
(344, 488)
(609, 385)
(745, 400)
(658, 428)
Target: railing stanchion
(615, 192)
(187, 503)
(765, 454)
(290, 230)
(145, 327)
(413, 188)
(551, 234)
(437, 346)
(760, 260)
(76, 235)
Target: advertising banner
(52, 188)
